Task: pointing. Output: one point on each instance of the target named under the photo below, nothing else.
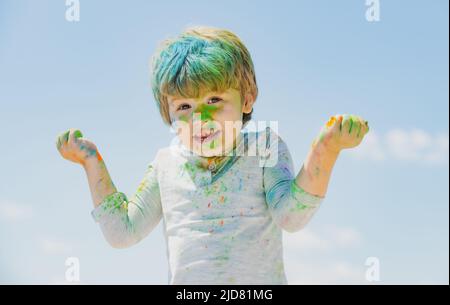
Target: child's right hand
(73, 147)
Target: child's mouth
(206, 138)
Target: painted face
(208, 125)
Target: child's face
(208, 125)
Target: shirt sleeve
(125, 222)
(290, 206)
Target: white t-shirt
(222, 225)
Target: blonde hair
(199, 60)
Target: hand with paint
(73, 147)
(341, 132)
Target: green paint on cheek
(184, 118)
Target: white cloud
(346, 237)
(371, 148)
(313, 272)
(15, 212)
(310, 256)
(54, 247)
(305, 240)
(415, 145)
(329, 238)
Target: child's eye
(214, 100)
(184, 107)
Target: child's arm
(293, 201)
(123, 222)
(340, 132)
(73, 147)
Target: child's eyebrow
(214, 94)
(206, 96)
(175, 100)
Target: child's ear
(248, 103)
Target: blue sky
(387, 199)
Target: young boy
(224, 193)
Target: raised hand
(73, 147)
(341, 132)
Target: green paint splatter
(359, 130)
(65, 136)
(207, 111)
(351, 125)
(223, 187)
(184, 118)
(77, 134)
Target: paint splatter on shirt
(222, 224)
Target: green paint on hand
(77, 134)
(58, 142)
(351, 125)
(66, 136)
(359, 130)
(184, 118)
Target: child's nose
(205, 112)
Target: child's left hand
(342, 131)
